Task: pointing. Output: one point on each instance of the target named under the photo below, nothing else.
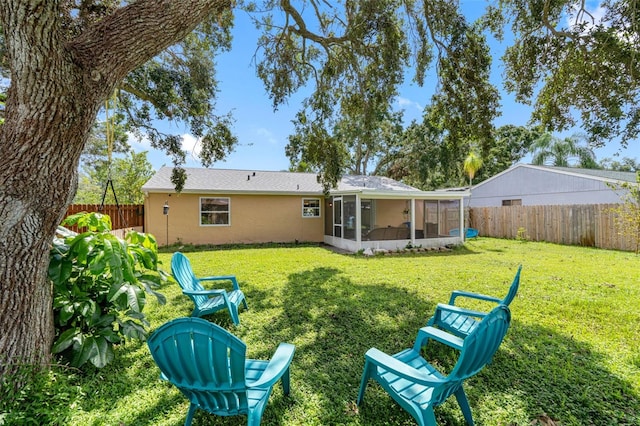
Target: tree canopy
(563, 152)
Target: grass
(572, 354)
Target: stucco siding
(253, 219)
(389, 213)
(541, 187)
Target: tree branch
(134, 34)
(302, 31)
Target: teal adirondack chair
(461, 321)
(417, 385)
(207, 301)
(208, 365)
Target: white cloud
(404, 102)
(266, 134)
(191, 145)
(594, 15)
(589, 16)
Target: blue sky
(263, 133)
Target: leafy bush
(99, 284)
(522, 235)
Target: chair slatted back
(513, 289)
(477, 351)
(183, 274)
(204, 361)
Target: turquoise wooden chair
(418, 386)
(207, 301)
(208, 365)
(461, 321)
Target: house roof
(609, 175)
(596, 174)
(200, 180)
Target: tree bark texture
(57, 87)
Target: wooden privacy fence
(584, 224)
(124, 216)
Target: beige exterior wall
(253, 219)
(389, 213)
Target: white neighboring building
(529, 185)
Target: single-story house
(530, 185)
(239, 206)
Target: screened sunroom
(393, 220)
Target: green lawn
(572, 353)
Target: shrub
(522, 235)
(99, 284)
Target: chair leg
(244, 302)
(286, 382)
(233, 311)
(429, 418)
(363, 383)
(254, 418)
(463, 402)
(190, 413)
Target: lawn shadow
(334, 321)
(563, 378)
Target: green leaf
(81, 247)
(133, 330)
(66, 313)
(110, 334)
(65, 340)
(103, 354)
(88, 309)
(55, 269)
(73, 219)
(135, 298)
(115, 292)
(98, 265)
(159, 296)
(85, 350)
(104, 321)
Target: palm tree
(471, 165)
(568, 152)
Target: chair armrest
(426, 333)
(231, 278)
(399, 368)
(220, 292)
(458, 310)
(459, 293)
(278, 365)
(218, 278)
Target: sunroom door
(337, 217)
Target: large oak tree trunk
(57, 86)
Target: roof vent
(254, 173)
(298, 187)
(248, 177)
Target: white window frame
(215, 224)
(319, 208)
